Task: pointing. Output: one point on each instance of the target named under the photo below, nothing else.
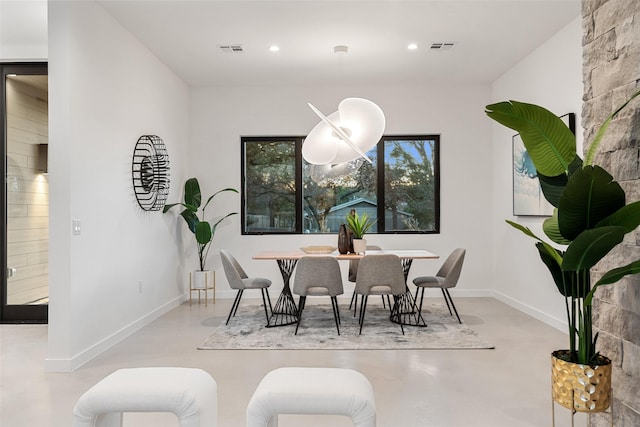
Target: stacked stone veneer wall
(611, 53)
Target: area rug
(246, 331)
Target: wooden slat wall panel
(27, 194)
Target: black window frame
(380, 177)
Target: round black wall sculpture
(150, 171)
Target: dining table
(285, 310)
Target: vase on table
(343, 239)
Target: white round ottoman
(328, 391)
(191, 394)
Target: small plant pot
(359, 246)
(583, 388)
(200, 279)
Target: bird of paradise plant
(591, 215)
(202, 230)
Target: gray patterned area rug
(246, 331)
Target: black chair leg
(363, 309)
(269, 300)
(415, 301)
(234, 306)
(338, 310)
(336, 313)
(383, 303)
(241, 292)
(388, 303)
(396, 310)
(353, 297)
(453, 305)
(444, 294)
(301, 302)
(264, 304)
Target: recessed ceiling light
(274, 48)
(412, 46)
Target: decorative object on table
(318, 249)
(202, 230)
(318, 332)
(591, 217)
(202, 281)
(359, 225)
(150, 172)
(446, 278)
(343, 239)
(238, 279)
(346, 134)
(528, 199)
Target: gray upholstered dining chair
(446, 278)
(239, 280)
(318, 276)
(380, 275)
(353, 273)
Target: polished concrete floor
(505, 387)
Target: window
(283, 194)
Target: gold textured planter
(581, 388)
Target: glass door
(25, 196)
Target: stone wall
(611, 52)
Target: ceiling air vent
(442, 46)
(230, 48)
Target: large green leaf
(612, 276)
(553, 186)
(590, 196)
(566, 281)
(590, 247)
(192, 195)
(550, 143)
(627, 217)
(203, 232)
(552, 230)
(191, 219)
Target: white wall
(23, 30)
(551, 77)
(221, 115)
(106, 90)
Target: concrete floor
(505, 387)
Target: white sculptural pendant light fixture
(346, 134)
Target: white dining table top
(297, 254)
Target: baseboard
(533, 312)
(69, 365)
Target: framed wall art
(528, 199)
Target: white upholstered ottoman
(328, 391)
(191, 394)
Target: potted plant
(202, 230)
(359, 225)
(591, 217)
